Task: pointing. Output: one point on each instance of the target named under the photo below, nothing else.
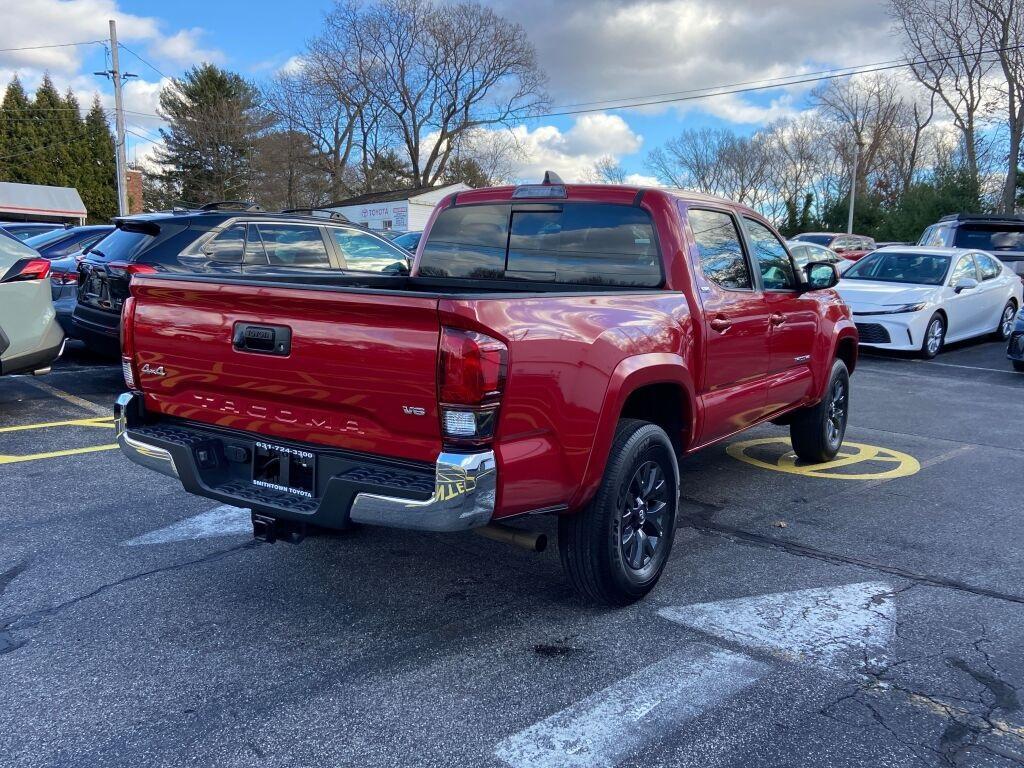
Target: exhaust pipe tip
(517, 537)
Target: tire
(817, 432)
(602, 550)
(1005, 328)
(1018, 365)
(931, 345)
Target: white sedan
(919, 298)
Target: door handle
(720, 324)
(777, 318)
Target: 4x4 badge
(158, 371)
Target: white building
(403, 210)
(37, 202)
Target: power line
(51, 45)
(133, 53)
(698, 93)
(82, 137)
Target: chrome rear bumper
(465, 485)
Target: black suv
(218, 239)
(1001, 236)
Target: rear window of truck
(578, 243)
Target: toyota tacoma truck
(556, 349)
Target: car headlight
(905, 308)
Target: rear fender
(630, 375)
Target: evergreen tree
(17, 135)
(213, 120)
(98, 168)
(50, 159)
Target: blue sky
(591, 50)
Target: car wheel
(817, 432)
(934, 337)
(615, 549)
(1018, 365)
(1006, 320)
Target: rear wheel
(1005, 328)
(615, 549)
(934, 337)
(817, 432)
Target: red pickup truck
(556, 349)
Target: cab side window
(721, 253)
(771, 257)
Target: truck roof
(608, 193)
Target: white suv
(30, 336)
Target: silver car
(30, 336)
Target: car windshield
(816, 239)
(995, 237)
(900, 267)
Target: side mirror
(821, 275)
(965, 284)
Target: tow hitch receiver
(270, 529)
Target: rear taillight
(27, 269)
(128, 342)
(125, 268)
(64, 278)
(470, 382)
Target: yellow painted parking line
(868, 455)
(55, 454)
(95, 421)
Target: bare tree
(606, 170)
(1004, 22)
(944, 42)
(437, 72)
(716, 162)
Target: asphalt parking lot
(868, 614)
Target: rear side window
(718, 244)
(227, 246)
(289, 245)
(578, 243)
(367, 253)
(989, 267)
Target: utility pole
(853, 187)
(114, 73)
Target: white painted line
(820, 626)
(224, 520)
(603, 729)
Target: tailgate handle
(262, 339)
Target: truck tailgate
(360, 372)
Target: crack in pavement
(702, 522)
(30, 619)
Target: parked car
(59, 243)
(917, 298)
(22, 230)
(851, 247)
(219, 239)
(30, 338)
(556, 350)
(806, 252)
(64, 289)
(1015, 344)
(999, 235)
(408, 240)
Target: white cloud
(607, 49)
(183, 48)
(572, 153)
